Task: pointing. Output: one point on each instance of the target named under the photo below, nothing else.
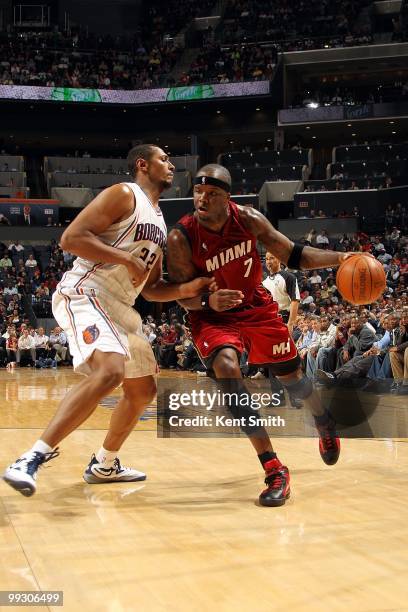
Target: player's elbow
(66, 241)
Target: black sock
(266, 456)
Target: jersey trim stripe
(68, 308)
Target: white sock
(41, 447)
(105, 456)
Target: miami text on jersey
(224, 257)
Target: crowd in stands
(171, 342)
(26, 346)
(215, 64)
(80, 59)
(137, 65)
(28, 273)
(26, 283)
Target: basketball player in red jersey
(219, 239)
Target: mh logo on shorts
(90, 334)
(282, 348)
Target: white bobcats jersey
(144, 234)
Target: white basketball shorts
(100, 322)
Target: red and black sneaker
(278, 484)
(329, 442)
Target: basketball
(361, 279)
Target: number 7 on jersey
(248, 264)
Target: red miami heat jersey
(230, 256)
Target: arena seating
(250, 170)
(382, 161)
(261, 20)
(377, 152)
(78, 179)
(13, 179)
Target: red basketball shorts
(259, 331)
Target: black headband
(210, 180)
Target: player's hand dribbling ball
(361, 279)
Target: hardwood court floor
(192, 537)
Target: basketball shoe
(329, 442)
(110, 471)
(22, 474)
(278, 484)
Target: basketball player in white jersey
(119, 240)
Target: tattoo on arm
(179, 265)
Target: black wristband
(295, 256)
(205, 301)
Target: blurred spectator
(26, 349)
(31, 263)
(322, 239)
(16, 247)
(399, 359)
(59, 342)
(5, 262)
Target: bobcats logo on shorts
(90, 334)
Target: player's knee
(148, 393)
(226, 367)
(110, 377)
(140, 392)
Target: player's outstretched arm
(280, 245)
(157, 289)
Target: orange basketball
(361, 279)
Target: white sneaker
(97, 473)
(22, 474)
(200, 373)
(258, 376)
